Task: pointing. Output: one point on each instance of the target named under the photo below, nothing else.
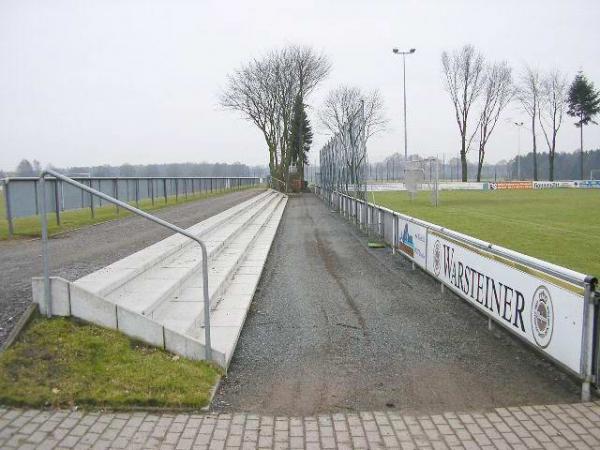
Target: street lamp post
(410, 52)
(519, 125)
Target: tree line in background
(204, 169)
(566, 167)
(481, 91)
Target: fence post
(137, 193)
(56, 202)
(116, 192)
(152, 190)
(165, 189)
(176, 189)
(9, 217)
(91, 200)
(587, 344)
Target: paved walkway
(554, 426)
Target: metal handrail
(128, 207)
(280, 181)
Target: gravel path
(336, 326)
(77, 253)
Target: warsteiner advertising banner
(412, 241)
(545, 311)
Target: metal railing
(126, 206)
(386, 226)
(274, 182)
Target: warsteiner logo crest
(437, 258)
(542, 316)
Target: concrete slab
(92, 308)
(59, 293)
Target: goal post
(422, 174)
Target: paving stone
(552, 426)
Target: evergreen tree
(584, 104)
(301, 136)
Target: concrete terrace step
(184, 308)
(111, 277)
(148, 290)
(228, 318)
(156, 295)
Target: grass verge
(555, 225)
(77, 218)
(60, 362)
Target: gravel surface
(336, 326)
(77, 253)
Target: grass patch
(61, 363)
(556, 225)
(77, 218)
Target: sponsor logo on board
(437, 258)
(542, 316)
(495, 293)
(502, 185)
(407, 244)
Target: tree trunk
(463, 157)
(551, 157)
(480, 159)
(535, 177)
(581, 149)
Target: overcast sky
(94, 82)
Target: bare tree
(354, 117)
(498, 91)
(528, 93)
(464, 76)
(553, 101)
(264, 90)
(343, 104)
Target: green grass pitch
(561, 226)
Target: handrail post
(207, 343)
(46, 269)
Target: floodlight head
(395, 50)
(412, 50)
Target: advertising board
(552, 184)
(587, 184)
(501, 185)
(412, 241)
(543, 310)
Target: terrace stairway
(156, 294)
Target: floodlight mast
(404, 53)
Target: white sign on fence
(412, 241)
(545, 311)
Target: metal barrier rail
(22, 199)
(119, 203)
(376, 216)
(282, 184)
